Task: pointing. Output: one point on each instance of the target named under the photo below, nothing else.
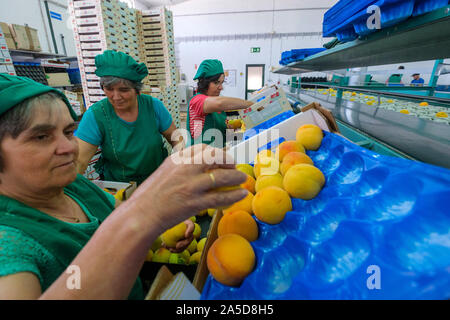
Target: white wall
(236, 17)
(29, 12)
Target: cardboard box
(5, 29)
(58, 79)
(114, 186)
(33, 38)
(20, 37)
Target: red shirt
(196, 115)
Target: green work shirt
(213, 120)
(62, 240)
(130, 151)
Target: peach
(266, 181)
(292, 159)
(286, 147)
(244, 204)
(238, 222)
(195, 258)
(271, 204)
(262, 154)
(249, 184)
(266, 166)
(230, 259)
(246, 168)
(303, 181)
(310, 136)
(161, 255)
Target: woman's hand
(186, 183)
(188, 237)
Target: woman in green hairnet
(60, 235)
(206, 117)
(127, 125)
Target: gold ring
(213, 179)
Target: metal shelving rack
(426, 37)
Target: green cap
(14, 90)
(121, 65)
(209, 68)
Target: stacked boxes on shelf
(6, 63)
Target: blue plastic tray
(267, 124)
(377, 217)
(424, 6)
(298, 54)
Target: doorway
(254, 78)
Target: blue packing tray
(379, 229)
(268, 124)
(348, 27)
(298, 54)
(424, 6)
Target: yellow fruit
(267, 181)
(262, 154)
(176, 258)
(119, 194)
(292, 159)
(197, 231)
(161, 255)
(244, 204)
(235, 123)
(353, 94)
(149, 255)
(192, 246)
(266, 166)
(230, 259)
(310, 136)
(390, 101)
(156, 244)
(238, 222)
(404, 111)
(202, 213)
(249, 184)
(173, 235)
(201, 244)
(185, 255)
(193, 219)
(370, 103)
(246, 168)
(286, 147)
(442, 114)
(271, 204)
(303, 181)
(423, 104)
(211, 212)
(195, 258)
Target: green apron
(212, 121)
(64, 240)
(130, 152)
(395, 78)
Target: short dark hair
(401, 67)
(203, 83)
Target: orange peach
(266, 166)
(244, 204)
(230, 259)
(267, 181)
(271, 204)
(310, 136)
(288, 146)
(303, 181)
(249, 184)
(292, 159)
(238, 222)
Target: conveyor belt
(424, 140)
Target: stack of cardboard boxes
(6, 63)
(21, 37)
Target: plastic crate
(74, 75)
(298, 54)
(268, 124)
(374, 213)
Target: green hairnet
(121, 65)
(209, 68)
(14, 90)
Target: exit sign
(255, 50)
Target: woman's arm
(175, 140)
(86, 152)
(218, 104)
(112, 259)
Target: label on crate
(90, 37)
(96, 98)
(91, 45)
(90, 54)
(90, 69)
(85, 21)
(95, 29)
(92, 76)
(93, 84)
(95, 91)
(88, 61)
(84, 3)
(85, 12)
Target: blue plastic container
(379, 229)
(74, 75)
(268, 124)
(424, 6)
